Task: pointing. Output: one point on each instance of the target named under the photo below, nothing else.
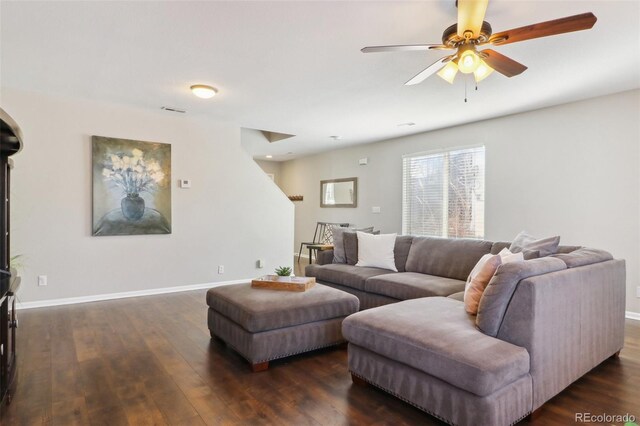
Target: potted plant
(283, 273)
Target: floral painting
(131, 187)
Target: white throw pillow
(376, 250)
(507, 257)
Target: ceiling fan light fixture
(203, 91)
(448, 72)
(483, 71)
(468, 60)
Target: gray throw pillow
(339, 256)
(544, 246)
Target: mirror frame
(354, 180)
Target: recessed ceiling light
(203, 91)
(411, 123)
(269, 156)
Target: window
(443, 193)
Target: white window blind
(443, 193)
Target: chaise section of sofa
(547, 322)
(429, 353)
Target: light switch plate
(185, 183)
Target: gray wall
(571, 170)
(232, 215)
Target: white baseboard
(111, 296)
(632, 315)
(305, 256)
(123, 295)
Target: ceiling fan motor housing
(451, 38)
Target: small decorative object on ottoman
(263, 325)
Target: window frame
(433, 152)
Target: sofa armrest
(569, 321)
(324, 257)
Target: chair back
(324, 233)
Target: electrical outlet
(42, 280)
(221, 269)
(375, 209)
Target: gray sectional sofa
(541, 325)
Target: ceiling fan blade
(503, 64)
(431, 69)
(569, 24)
(470, 16)
(402, 48)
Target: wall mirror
(339, 192)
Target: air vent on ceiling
(172, 109)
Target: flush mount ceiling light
(269, 156)
(203, 91)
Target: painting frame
(131, 187)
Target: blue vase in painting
(132, 206)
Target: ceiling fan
(472, 31)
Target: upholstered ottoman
(263, 325)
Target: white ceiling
(296, 67)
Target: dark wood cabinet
(10, 143)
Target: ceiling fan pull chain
(465, 90)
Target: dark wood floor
(149, 360)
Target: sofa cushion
(457, 296)
(346, 275)
(400, 250)
(567, 249)
(411, 285)
(435, 335)
(497, 295)
(583, 256)
(451, 258)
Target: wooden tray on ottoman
(275, 282)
